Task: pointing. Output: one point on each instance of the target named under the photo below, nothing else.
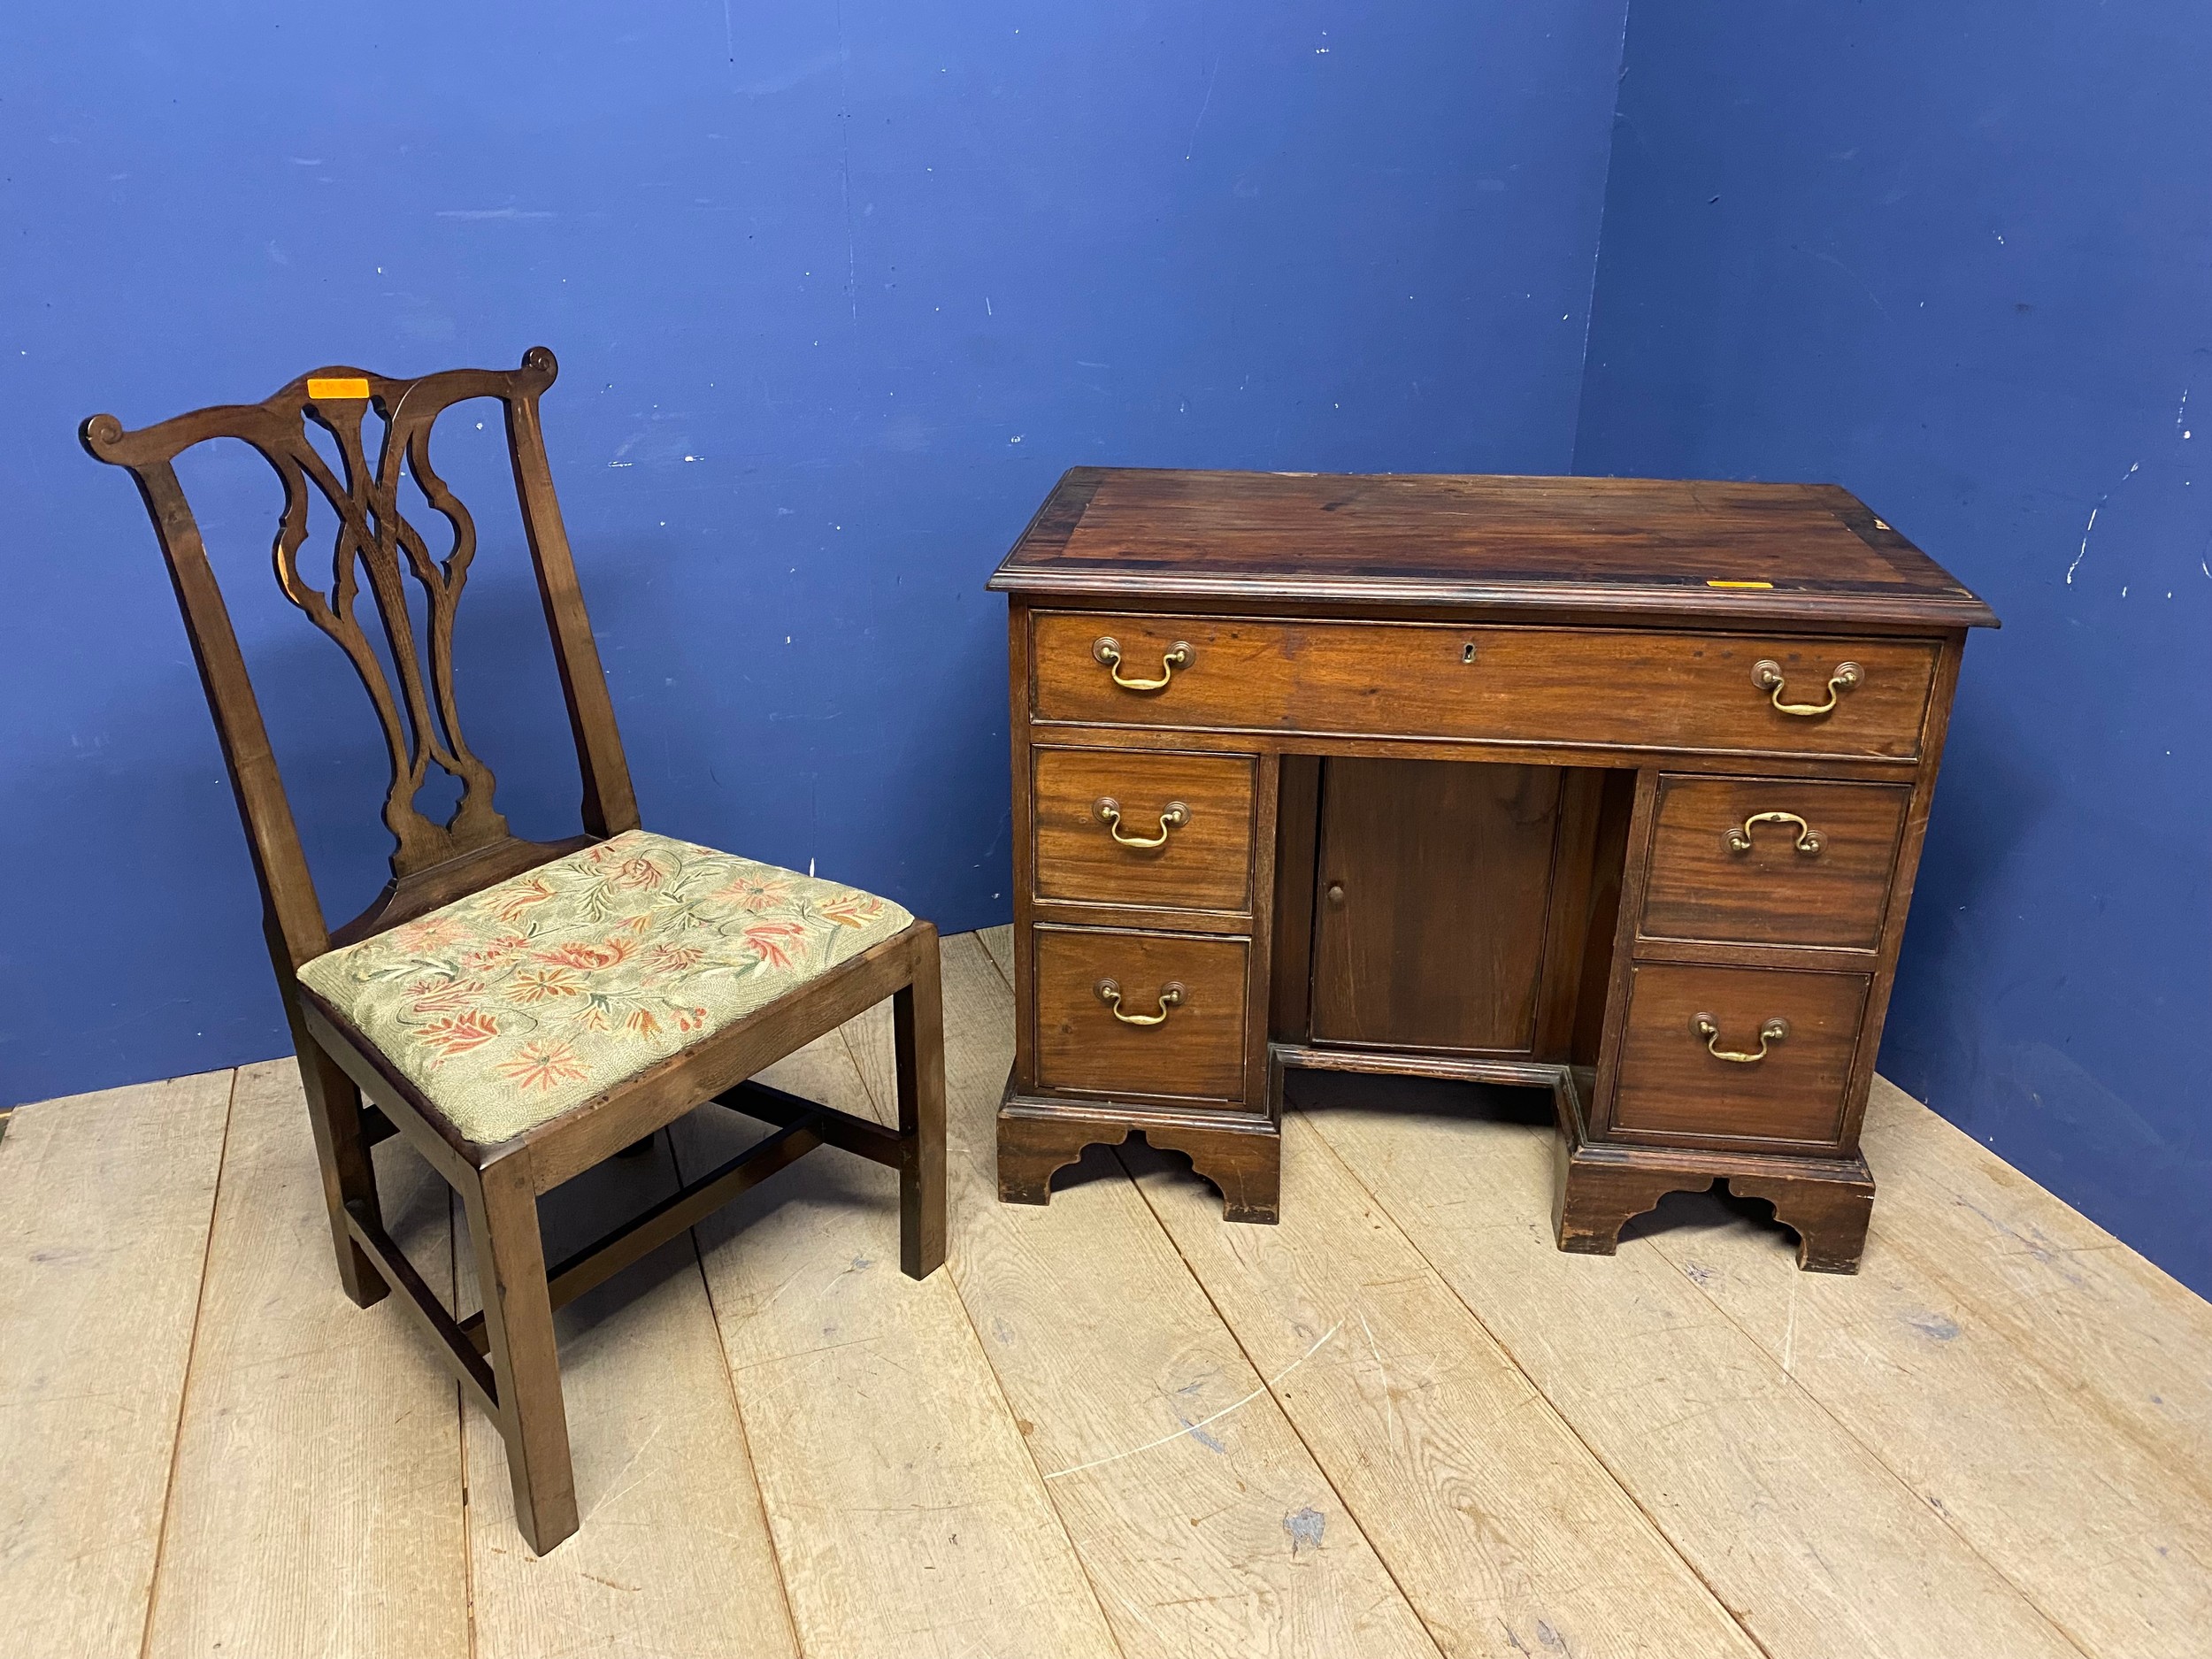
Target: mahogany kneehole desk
(1703, 721)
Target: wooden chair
(520, 1010)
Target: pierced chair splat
(519, 1010)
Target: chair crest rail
(376, 544)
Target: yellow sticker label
(336, 387)
(1710, 583)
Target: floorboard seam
(737, 1409)
(1044, 1487)
(998, 1384)
(860, 1072)
(990, 956)
(1267, 1386)
(1882, 1463)
(2177, 1462)
(1565, 1422)
(184, 1385)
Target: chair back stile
(610, 805)
(432, 864)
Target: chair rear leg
(917, 1020)
(334, 1113)
(519, 1326)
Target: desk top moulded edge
(1712, 554)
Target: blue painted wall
(1958, 258)
(838, 291)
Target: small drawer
(1675, 1084)
(1179, 1031)
(1773, 861)
(1131, 827)
(1619, 688)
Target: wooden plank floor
(1400, 1422)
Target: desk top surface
(1635, 546)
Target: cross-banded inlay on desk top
(1706, 720)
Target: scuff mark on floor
(1305, 1528)
(1390, 1409)
(1212, 1443)
(1187, 1428)
(1941, 1327)
(1789, 1333)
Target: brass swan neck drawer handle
(1809, 841)
(1107, 649)
(1708, 1027)
(1171, 996)
(1766, 674)
(1108, 811)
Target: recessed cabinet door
(1435, 880)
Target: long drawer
(1716, 692)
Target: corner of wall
(1597, 249)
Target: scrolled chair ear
(98, 432)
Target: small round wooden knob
(1336, 893)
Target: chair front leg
(519, 1326)
(917, 1022)
(334, 1114)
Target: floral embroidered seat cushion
(509, 1006)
